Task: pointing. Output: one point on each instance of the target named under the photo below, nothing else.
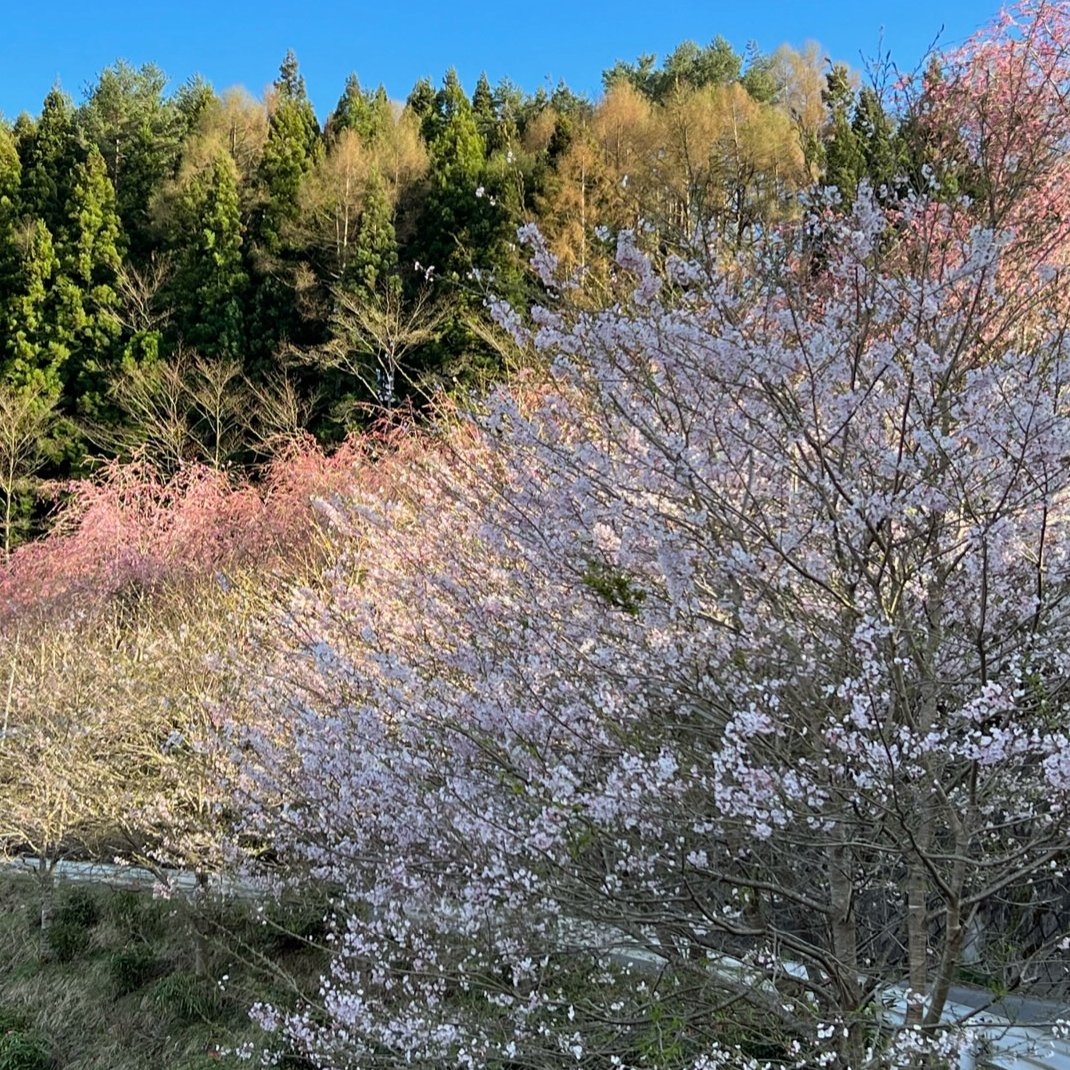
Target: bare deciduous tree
(190, 408)
(373, 334)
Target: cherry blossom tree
(740, 639)
(989, 125)
(683, 702)
(138, 526)
(112, 629)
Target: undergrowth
(122, 981)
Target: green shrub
(22, 1050)
(68, 933)
(67, 940)
(188, 998)
(131, 967)
(79, 906)
(136, 913)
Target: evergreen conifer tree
(139, 134)
(293, 146)
(483, 109)
(876, 138)
(375, 255)
(421, 102)
(49, 154)
(453, 203)
(365, 112)
(210, 279)
(844, 161)
(35, 341)
(10, 180)
(90, 259)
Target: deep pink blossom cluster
(133, 527)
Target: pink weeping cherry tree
(681, 704)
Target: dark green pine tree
(23, 131)
(483, 109)
(456, 199)
(877, 139)
(421, 102)
(514, 110)
(90, 257)
(365, 112)
(34, 340)
(10, 172)
(193, 99)
(375, 255)
(470, 208)
(210, 280)
(844, 161)
(139, 133)
(10, 181)
(688, 65)
(292, 147)
(23, 318)
(761, 79)
(91, 253)
(641, 74)
(49, 155)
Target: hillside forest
(538, 536)
(173, 264)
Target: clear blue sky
(241, 42)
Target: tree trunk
(845, 946)
(196, 928)
(47, 889)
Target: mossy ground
(122, 981)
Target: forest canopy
(171, 262)
(617, 552)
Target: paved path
(178, 881)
